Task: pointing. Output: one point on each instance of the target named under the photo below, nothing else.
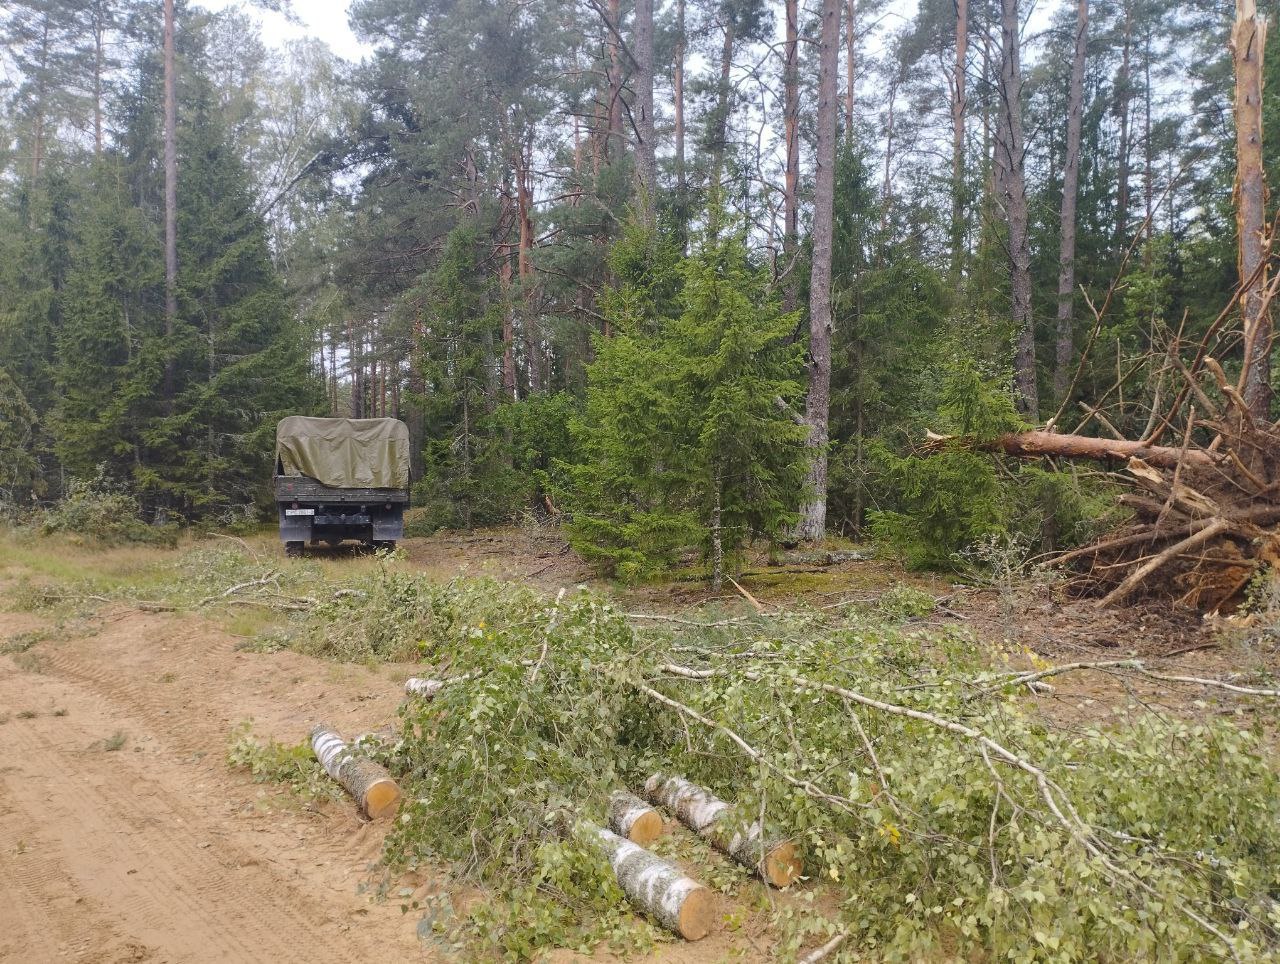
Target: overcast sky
(323, 19)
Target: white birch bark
(776, 861)
(368, 783)
(658, 888)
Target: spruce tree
(685, 444)
(113, 289)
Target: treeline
(572, 243)
(101, 376)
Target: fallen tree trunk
(424, 688)
(368, 783)
(777, 862)
(660, 889)
(631, 817)
(1036, 444)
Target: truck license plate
(299, 511)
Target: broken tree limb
(631, 817)
(658, 888)
(776, 861)
(368, 783)
(1037, 444)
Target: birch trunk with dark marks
(813, 514)
(777, 862)
(369, 784)
(660, 889)
(1247, 42)
(631, 817)
(1065, 346)
(717, 542)
(422, 687)
(1012, 187)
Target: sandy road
(154, 851)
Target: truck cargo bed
(299, 488)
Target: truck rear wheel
(294, 549)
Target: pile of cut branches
(1204, 472)
(1206, 513)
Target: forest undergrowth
(938, 812)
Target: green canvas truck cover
(345, 453)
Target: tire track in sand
(108, 840)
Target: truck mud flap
(388, 524)
(295, 528)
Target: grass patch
(30, 662)
(112, 744)
(27, 714)
(291, 765)
(21, 642)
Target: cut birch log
(425, 688)
(658, 888)
(631, 817)
(776, 861)
(370, 785)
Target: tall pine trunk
(642, 81)
(958, 106)
(1247, 42)
(1124, 99)
(813, 518)
(614, 135)
(791, 131)
(42, 90)
(1070, 190)
(720, 140)
(1012, 187)
(850, 66)
(678, 94)
(170, 197)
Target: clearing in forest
(926, 750)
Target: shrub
(104, 512)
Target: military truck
(339, 479)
